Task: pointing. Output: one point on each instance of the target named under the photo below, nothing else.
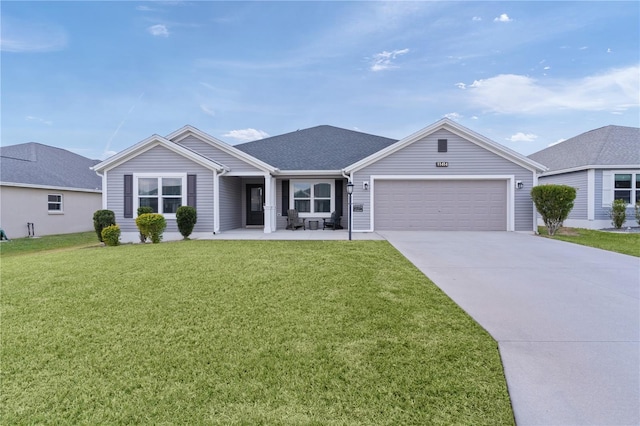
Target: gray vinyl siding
(281, 221)
(161, 160)
(463, 157)
(231, 216)
(577, 180)
(217, 155)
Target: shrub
(554, 203)
(186, 217)
(143, 210)
(618, 213)
(111, 235)
(102, 219)
(638, 212)
(151, 225)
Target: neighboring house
(603, 165)
(53, 189)
(444, 177)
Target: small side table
(313, 225)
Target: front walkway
(299, 234)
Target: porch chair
(294, 221)
(333, 222)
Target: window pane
(171, 186)
(322, 206)
(170, 205)
(147, 186)
(622, 195)
(149, 202)
(637, 183)
(303, 206)
(322, 190)
(55, 206)
(301, 190)
(55, 198)
(623, 181)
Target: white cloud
(158, 30)
(609, 50)
(583, 48)
(556, 142)
(522, 137)
(616, 89)
(453, 116)
(461, 86)
(39, 120)
(383, 60)
(26, 36)
(476, 18)
(107, 154)
(246, 135)
(503, 18)
(144, 9)
(207, 110)
(547, 67)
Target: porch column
(216, 203)
(269, 204)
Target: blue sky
(98, 77)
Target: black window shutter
(339, 184)
(191, 190)
(285, 197)
(128, 196)
(442, 145)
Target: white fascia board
(594, 167)
(50, 187)
(152, 142)
(302, 173)
(457, 129)
(187, 131)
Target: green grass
(625, 243)
(19, 246)
(240, 332)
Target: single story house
(46, 190)
(443, 177)
(603, 164)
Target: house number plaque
(442, 164)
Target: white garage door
(445, 205)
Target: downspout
(104, 188)
(216, 199)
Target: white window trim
(312, 182)
(136, 197)
(61, 211)
(610, 186)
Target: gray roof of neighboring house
(37, 164)
(606, 146)
(317, 148)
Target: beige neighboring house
(52, 189)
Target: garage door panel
(440, 205)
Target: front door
(255, 203)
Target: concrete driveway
(566, 318)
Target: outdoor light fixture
(350, 192)
(519, 184)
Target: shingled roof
(317, 148)
(35, 164)
(606, 146)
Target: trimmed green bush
(554, 203)
(186, 217)
(618, 213)
(102, 219)
(143, 210)
(111, 235)
(151, 225)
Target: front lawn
(240, 332)
(49, 242)
(620, 242)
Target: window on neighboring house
(55, 203)
(626, 186)
(312, 197)
(164, 194)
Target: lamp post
(350, 192)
